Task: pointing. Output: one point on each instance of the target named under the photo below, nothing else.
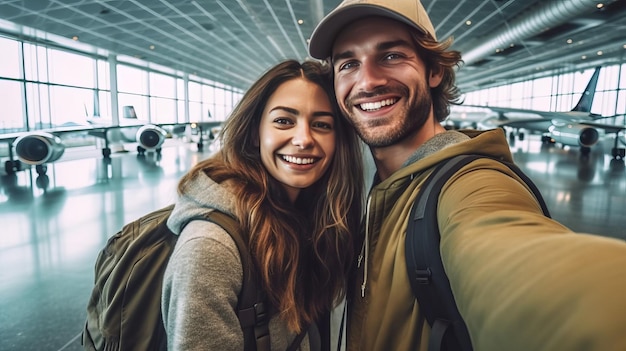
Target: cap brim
(324, 35)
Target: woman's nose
(302, 137)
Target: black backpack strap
(427, 276)
(252, 309)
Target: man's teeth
(371, 106)
(298, 160)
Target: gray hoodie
(204, 277)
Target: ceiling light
(600, 53)
(584, 57)
(468, 22)
(300, 21)
(151, 47)
(569, 41)
(600, 5)
(75, 38)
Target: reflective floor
(54, 227)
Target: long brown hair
(302, 251)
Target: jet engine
(574, 135)
(38, 148)
(151, 137)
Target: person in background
(521, 281)
(290, 169)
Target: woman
(290, 170)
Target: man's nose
(370, 76)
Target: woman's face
(297, 135)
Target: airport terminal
(104, 105)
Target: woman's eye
(281, 120)
(323, 125)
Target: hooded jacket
(521, 281)
(204, 277)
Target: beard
(403, 124)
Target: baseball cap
(410, 12)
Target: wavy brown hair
(302, 251)
(439, 59)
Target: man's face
(381, 83)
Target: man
(521, 281)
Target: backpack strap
(252, 309)
(427, 276)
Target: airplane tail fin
(586, 100)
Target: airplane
(41, 147)
(577, 127)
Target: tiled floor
(49, 238)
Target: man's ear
(435, 78)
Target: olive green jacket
(521, 280)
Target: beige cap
(410, 12)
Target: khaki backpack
(124, 311)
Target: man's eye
(393, 56)
(347, 65)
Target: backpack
(427, 276)
(124, 311)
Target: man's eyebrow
(380, 47)
(342, 55)
(392, 44)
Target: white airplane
(41, 147)
(577, 127)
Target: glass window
(162, 85)
(608, 78)
(180, 89)
(104, 75)
(581, 80)
(195, 111)
(103, 108)
(70, 105)
(604, 103)
(563, 102)
(220, 108)
(180, 105)
(70, 69)
(542, 87)
(131, 80)
(139, 103)
(208, 100)
(621, 103)
(10, 58)
(163, 110)
(541, 103)
(35, 63)
(11, 113)
(195, 91)
(38, 105)
(517, 95)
